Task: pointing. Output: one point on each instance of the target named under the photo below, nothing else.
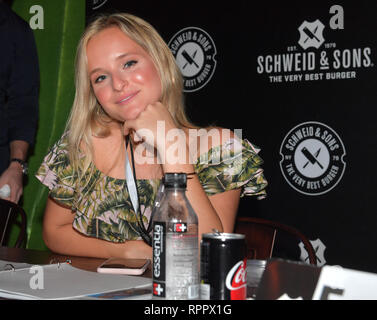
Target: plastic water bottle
(175, 243)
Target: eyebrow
(117, 58)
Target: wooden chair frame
(260, 237)
(9, 211)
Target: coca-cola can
(223, 267)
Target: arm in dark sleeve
(23, 89)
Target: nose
(119, 82)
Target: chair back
(9, 214)
(260, 237)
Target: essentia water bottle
(175, 243)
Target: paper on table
(64, 282)
(9, 265)
(338, 283)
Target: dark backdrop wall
(300, 81)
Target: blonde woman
(128, 87)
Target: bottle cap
(175, 180)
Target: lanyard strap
(130, 180)
(132, 190)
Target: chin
(132, 116)
(133, 113)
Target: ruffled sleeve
(234, 164)
(56, 173)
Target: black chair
(9, 214)
(260, 237)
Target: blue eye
(100, 79)
(129, 64)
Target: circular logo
(96, 4)
(194, 51)
(312, 158)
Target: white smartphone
(124, 266)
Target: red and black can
(223, 267)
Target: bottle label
(159, 268)
(205, 291)
(180, 227)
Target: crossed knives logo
(194, 51)
(312, 158)
(319, 249)
(311, 34)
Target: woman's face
(123, 75)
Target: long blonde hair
(87, 117)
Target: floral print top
(102, 205)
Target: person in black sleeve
(19, 88)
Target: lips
(125, 99)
